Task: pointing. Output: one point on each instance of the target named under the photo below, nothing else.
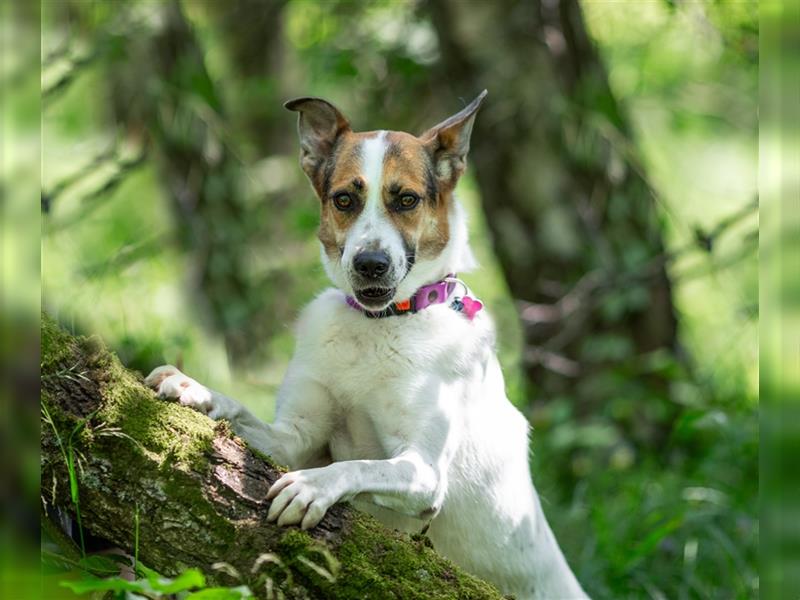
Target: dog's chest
(376, 378)
(367, 360)
(382, 375)
(357, 436)
(374, 384)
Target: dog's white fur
(413, 414)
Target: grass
(68, 455)
(136, 538)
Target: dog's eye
(343, 201)
(407, 201)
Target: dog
(394, 398)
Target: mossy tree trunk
(200, 492)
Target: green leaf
(191, 578)
(219, 593)
(648, 545)
(148, 572)
(73, 480)
(102, 564)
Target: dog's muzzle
(373, 286)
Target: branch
(595, 284)
(565, 318)
(123, 166)
(200, 493)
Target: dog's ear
(319, 125)
(448, 143)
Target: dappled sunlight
(611, 195)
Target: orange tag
(404, 305)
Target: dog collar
(428, 295)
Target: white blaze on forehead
(374, 228)
(373, 151)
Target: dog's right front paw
(170, 383)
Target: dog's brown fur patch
(341, 174)
(407, 167)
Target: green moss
(56, 344)
(374, 559)
(268, 459)
(293, 543)
(378, 563)
(177, 435)
(168, 433)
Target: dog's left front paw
(301, 497)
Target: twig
(73, 178)
(90, 201)
(127, 255)
(595, 284)
(558, 363)
(75, 68)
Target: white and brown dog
(394, 398)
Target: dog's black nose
(371, 264)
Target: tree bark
(252, 34)
(573, 221)
(200, 492)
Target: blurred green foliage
(673, 518)
(19, 298)
(779, 172)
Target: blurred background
(612, 194)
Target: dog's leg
(300, 431)
(409, 483)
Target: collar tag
(469, 306)
(435, 293)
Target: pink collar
(428, 295)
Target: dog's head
(386, 199)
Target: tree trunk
(573, 221)
(161, 89)
(252, 35)
(200, 492)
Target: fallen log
(193, 494)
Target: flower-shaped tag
(470, 306)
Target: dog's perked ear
(319, 126)
(448, 143)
